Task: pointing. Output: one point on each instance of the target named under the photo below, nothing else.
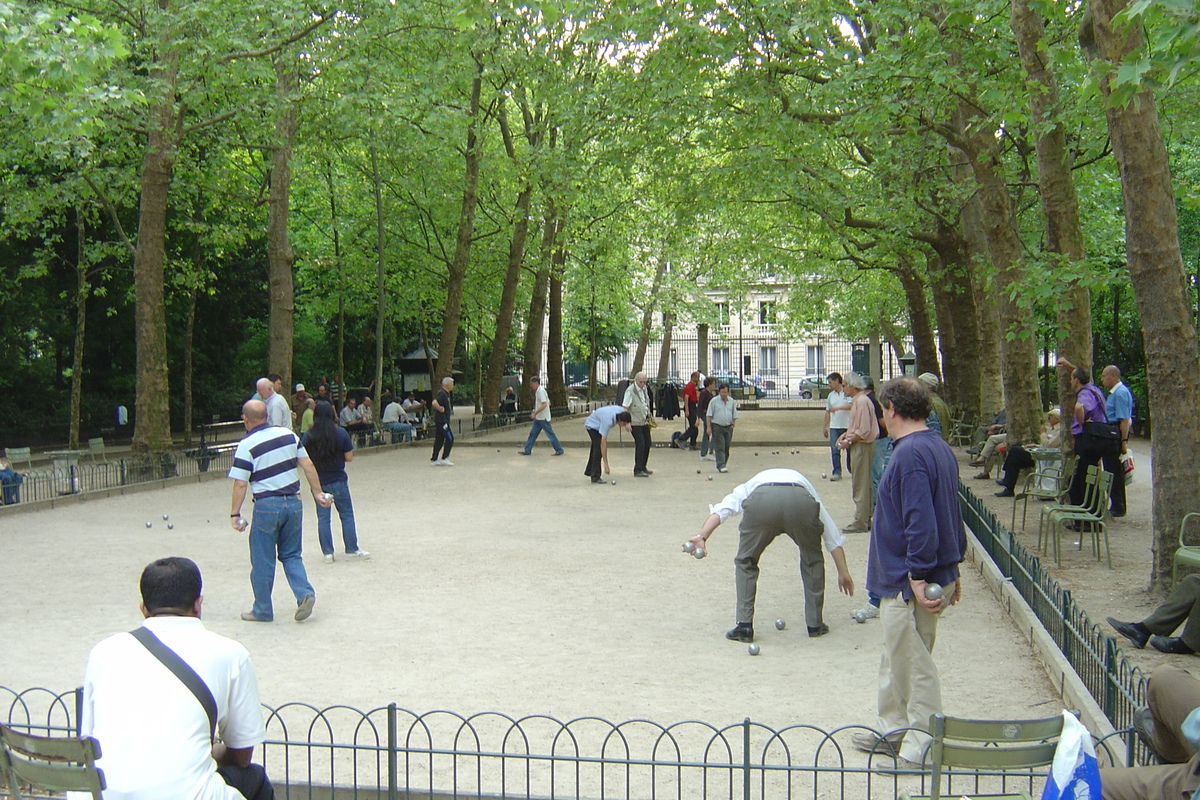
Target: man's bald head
(254, 412)
(1110, 376)
(265, 387)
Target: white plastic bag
(1075, 774)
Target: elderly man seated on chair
(1019, 458)
(1182, 606)
(1170, 727)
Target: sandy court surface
(510, 584)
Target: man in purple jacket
(917, 541)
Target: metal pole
(391, 754)
(746, 759)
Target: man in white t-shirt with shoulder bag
(837, 420)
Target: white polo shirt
(732, 504)
(152, 730)
(539, 397)
(838, 419)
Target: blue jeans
(275, 530)
(834, 453)
(706, 444)
(883, 454)
(403, 429)
(536, 428)
(345, 508)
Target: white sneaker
(865, 613)
(722, 469)
(709, 457)
(359, 553)
(447, 462)
(329, 559)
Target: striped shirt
(266, 459)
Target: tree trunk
(452, 316)
(341, 277)
(986, 322)
(702, 348)
(924, 344)
(152, 428)
(531, 351)
(189, 337)
(958, 319)
(664, 352)
(81, 294)
(1018, 347)
(1060, 202)
(643, 342)
(554, 341)
(280, 258)
(1156, 272)
(380, 295)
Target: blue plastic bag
(1075, 773)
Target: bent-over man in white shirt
(774, 502)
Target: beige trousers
(861, 455)
(909, 687)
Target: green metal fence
(1117, 685)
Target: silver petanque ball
(860, 617)
(689, 546)
(753, 649)
(822, 476)
(170, 526)
(697, 472)
(329, 497)
(149, 524)
(699, 552)
(710, 477)
(165, 518)
(614, 483)
(933, 590)
(780, 624)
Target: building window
(767, 361)
(766, 312)
(720, 360)
(723, 314)
(816, 359)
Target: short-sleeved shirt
(539, 397)
(278, 411)
(332, 468)
(392, 413)
(603, 419)
(732, 504)
(349, 416)
(444, 400)
(1119, 404)
(153, 732)
(692, 395)
(838, 419)
(722, 412)
(862, 418)
(705, 398)
(267, 460)
(1092, 401)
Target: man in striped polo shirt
(266, 461)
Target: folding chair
(96, 450)
(1187, 555)
(1090, 516)
(1000, 745)
(49, 764)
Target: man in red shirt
(691, 393)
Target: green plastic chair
(1089, 488)
(95, 450)
(49, 764)
(971, 744)
(1188, 555)
(1061, 475)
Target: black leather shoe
(1143, 725)
(642, 474)
(597, 480)
(740, 634)
(1170, 644)
(1004, 493)
(1135, 632)
(820, 630)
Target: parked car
(814, 386)
(740, 389)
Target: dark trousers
(641, 447)
(1018, 458)
(251, 781)
(689, 435)
(1092, 451)
(442, 437)
(595, 465)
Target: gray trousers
(1183, 605)
(770, 511)
(722, 436)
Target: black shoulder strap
(181, 670)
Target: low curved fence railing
(1117, 685)
(390, 752)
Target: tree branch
(111, 209)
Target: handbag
(1107, 431)
(1127, 466)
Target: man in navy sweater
(917, 540)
